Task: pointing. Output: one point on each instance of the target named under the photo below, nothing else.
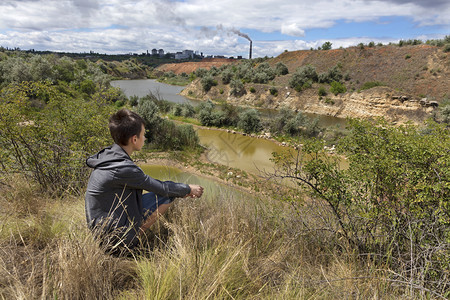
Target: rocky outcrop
(375, 102)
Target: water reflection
(238, 151)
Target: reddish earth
(189, 67)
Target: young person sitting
(117, 211)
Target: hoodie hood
(109, 158)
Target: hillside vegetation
(415, 80)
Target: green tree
(326, 46)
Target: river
(142, 87)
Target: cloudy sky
(216, 27)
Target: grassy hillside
(419, 70)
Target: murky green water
(238, 151)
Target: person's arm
(134, 177)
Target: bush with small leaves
(250, 121)
(226, 76)
(322, 91)
(201, 72)
(302, 76)
(273, 91)
(333, 74)
(237, 88)
(337, 88)
(446, 48)
(281, 69)
(208, 82)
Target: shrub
(252, 90)
(273, 91)
(134, 100)
(337, 88)
(393, 191)
(177, 110)
(277, 124)
(231, 115)
(88, 86)
(281, 69)
(175, 137)
(263, 73)
(301, 76)
(250, 121)
(333, 74)
(119, 103)
(260, 77)
(213, 71)
(446, 47)
(162, 133)
(226, 76)
(205, 111)
(169, 74)
(208, 82)
(201, 72)
(322, 91)
(237, 88)
(371, 84)
(49, 144)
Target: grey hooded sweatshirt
(114, 194)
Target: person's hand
(196, 191)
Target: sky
(216, 27)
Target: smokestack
(244, 36)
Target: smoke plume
(241, 34)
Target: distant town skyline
(216, 27)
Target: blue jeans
(151, 201)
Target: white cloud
(292, 29)
(83, 25)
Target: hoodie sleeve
(134, 177)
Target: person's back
(116, 209)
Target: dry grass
(216, 247)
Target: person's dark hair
(124, 124)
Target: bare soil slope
(189, 67)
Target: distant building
(161, 52)
(154, 52)
(184, 55)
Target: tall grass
(216, 247)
